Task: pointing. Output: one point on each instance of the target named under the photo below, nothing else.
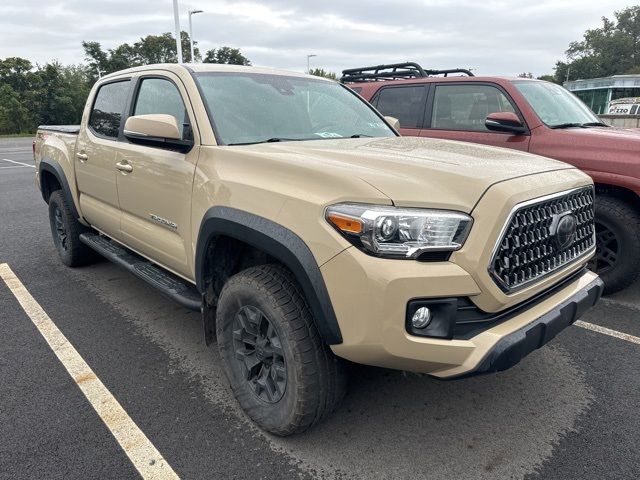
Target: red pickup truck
(530, 115)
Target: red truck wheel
(617, 258)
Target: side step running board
(171, 285)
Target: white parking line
(144, 456)
(16, 166)
(18, 163)
(608, 331)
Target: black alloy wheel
(607, 250)
(60, 229)
(258, 348)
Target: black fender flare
(55, 169)
(283, 245)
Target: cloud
(495, 37)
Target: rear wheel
(66, 230)
(282, 374)
(617, 258)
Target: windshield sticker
(328, 134)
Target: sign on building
(625, 106)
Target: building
(597, 93)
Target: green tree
(227, 55)
(16, 72)
(321, 72)
(56, 104)
(149, 49)
(547, 78)
(51, 93)
(14, 116)
(613, 48)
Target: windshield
(255, 108)
(556, 106)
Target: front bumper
(512, 348)
(370, 297)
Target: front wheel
(617, 257)
(282, 374)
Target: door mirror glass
(394, 122)
(157, 130)
(505, 122)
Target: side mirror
(156, 130)
(394, 122)
(507, 122)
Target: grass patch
(17, 135)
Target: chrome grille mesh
(529, 250)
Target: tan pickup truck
(292, 215)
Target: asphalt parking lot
(568, 411)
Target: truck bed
(69, 129)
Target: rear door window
(108, 108)
(465, 107)
(406, 103)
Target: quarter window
(108, 108)
(404, 103)
(465, 107)
(160, 96)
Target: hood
(628, 136)
(610, 150)
(413, 171)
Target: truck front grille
(538, 238)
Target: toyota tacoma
(307, 232)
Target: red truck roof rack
(394, 71)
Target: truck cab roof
(207, 67)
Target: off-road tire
(66, 230)
(618, 237)
(315, 378)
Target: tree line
(32, 95)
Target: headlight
(399, 232)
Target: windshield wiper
(271, 140)
(361, 135)
(594, 124)
(580, 125)
(567, 125)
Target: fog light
(421, 318)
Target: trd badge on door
(163, 221)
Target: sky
(493, 37)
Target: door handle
(83, 157)
(124, 167)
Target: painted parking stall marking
(141, 452)
(608, 331)
(22, 164)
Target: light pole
(176, 17)
(308, 57)
(192, 12)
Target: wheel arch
(622, 193)
(51, 175)
(227, 234)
